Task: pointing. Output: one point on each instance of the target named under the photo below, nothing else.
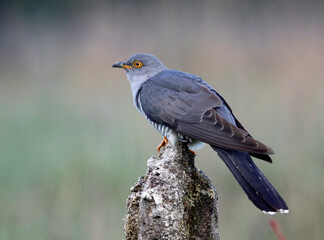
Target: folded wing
(184, 105)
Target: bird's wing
(180, 102)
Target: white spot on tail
(280, 211)
(284, 210)
(270, 213)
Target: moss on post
(174, 200)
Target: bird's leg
(163, 143)
(193, 152)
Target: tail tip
(270, 150)
(282, 211)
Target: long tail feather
(257, 187)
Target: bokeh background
(72, 144)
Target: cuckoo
(184, 108)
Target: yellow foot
(193, 152)
(163, 143)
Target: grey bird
(183, 107)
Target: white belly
(174, 137)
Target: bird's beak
(121, 65)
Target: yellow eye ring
(137, 64)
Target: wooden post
(174, 200)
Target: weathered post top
(174, 200)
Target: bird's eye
(137, 64)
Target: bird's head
(140, 67)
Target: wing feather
(190, 108)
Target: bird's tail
(257, 187)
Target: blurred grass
(72, 144)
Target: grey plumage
(183, 107)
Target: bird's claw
(193, 152)
(163, 143)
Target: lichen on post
(174, 200)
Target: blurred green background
(72, 144)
